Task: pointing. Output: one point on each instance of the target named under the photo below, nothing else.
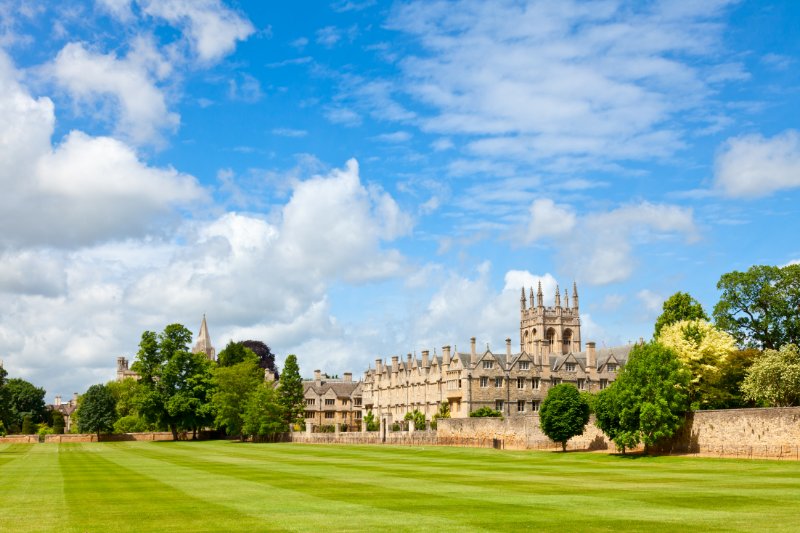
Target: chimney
(408, 361)
(317, 375)
(348, 377)
(472, 344)
(445, 355)
(425, 362)
(378, 366)
(74, 400)
(395, 363)
(508, 347)
(58, 401)
(591, 356)
(122, 364)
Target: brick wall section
(19, 439)
(78, 437)
(415, 438)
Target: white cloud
(343, 115)
(246, 89)
(549, 220)
(394, 137)
(289, 132)
(651, 301)
(540, 79)
(328, 36)
(752, 166)
(140, 107)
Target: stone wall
(413, 438)
(515, 432)
(80, 437)
(19, 439)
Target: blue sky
(355, 179)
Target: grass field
(227, 486)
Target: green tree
(290, 391)
(234, 384)
(679, 306)
(235, 353)
(417, 417)
(266, 359)
(263, 413)
(651, 396)
(732, 373)
(774, 377)
(703, 350)
(98, 410)
(5, 399)
(564, 414)
(761, 307)
(607, 411)
(27, 425)
(369, 420)
(57, 421)
(485, 412)
(175, 383)
(24, 398)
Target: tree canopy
(648, 400)
(233, 387)
(97, 411)
(761, 307)
(23, 399)
(263, 413)
(564, 414)
(235, 353)
(679, 306)
(266, 359)
(774, 377)
(703, 349)
(290, 391)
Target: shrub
(486, 412)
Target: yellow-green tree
(702, 349)
(774, 377)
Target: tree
(5, 399)
(650, 397)
(98, 410)
(57, 421)
(235, 353)
(24, 399)
(290, 391)
(774, 377)
(175, 383)
(679, 306)
(263, 413)
(703, 349)
(128, 395)
(417, 417)
(233, 385)
(732, 373)
(371, 423)
(761, 307)
(27, 425)
(607, 411)
(266, 359)
(564, 414)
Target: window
(498, 405)
(535, 406)
(535, 383)
(569, 367)
(310, 401)
(344, 401)
(581, 384)
(309, 414)
(357, 402)
(520, 406)
(556, 381)
(611, 367)
(484, 381)
(498, 382)
(520, 383)
(488, 365)
(329, 414)
(358, 415)
(523, 365)
(330, 401)
(603, 384)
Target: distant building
(66, 410)
(513, 383)
(123, 372)
(332, 401)
(203, 344)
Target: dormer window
(488, 365)
(569, 367)
(611, 367)
(523, 365)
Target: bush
(327, 428)
(486, 412)
(372, 424)
(131, 424)
(27, 426)
(418, 418)
(58, 422)
(396, 427)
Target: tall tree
(5, 399)
(761, 307)
(263, 413)
(265, 356)
(235, 353)
(679, 306)
(97, 411)
(58, 421)
(774, 377)
(290, 391)
(564, 414)
(650, 397)
(703, 349)
(234, 385)
(24, 398)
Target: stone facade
(513, 383)
(332, 401)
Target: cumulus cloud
(753, 166)
(83, 190)
(541, 79)
(140, 107)
(549, 220)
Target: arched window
(549, 340)
(567, 341)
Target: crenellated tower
(549, 330)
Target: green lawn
(227, 486)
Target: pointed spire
(522, 300)
(558, 296)
(203, 344)
(575, 295)
(539, 295)
(566, 298)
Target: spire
(566, 298)
(203, 344)
(539, 296)
(522, 300)
(558, 296)
(575, 295)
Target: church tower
(549, 330)
(203, 344)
